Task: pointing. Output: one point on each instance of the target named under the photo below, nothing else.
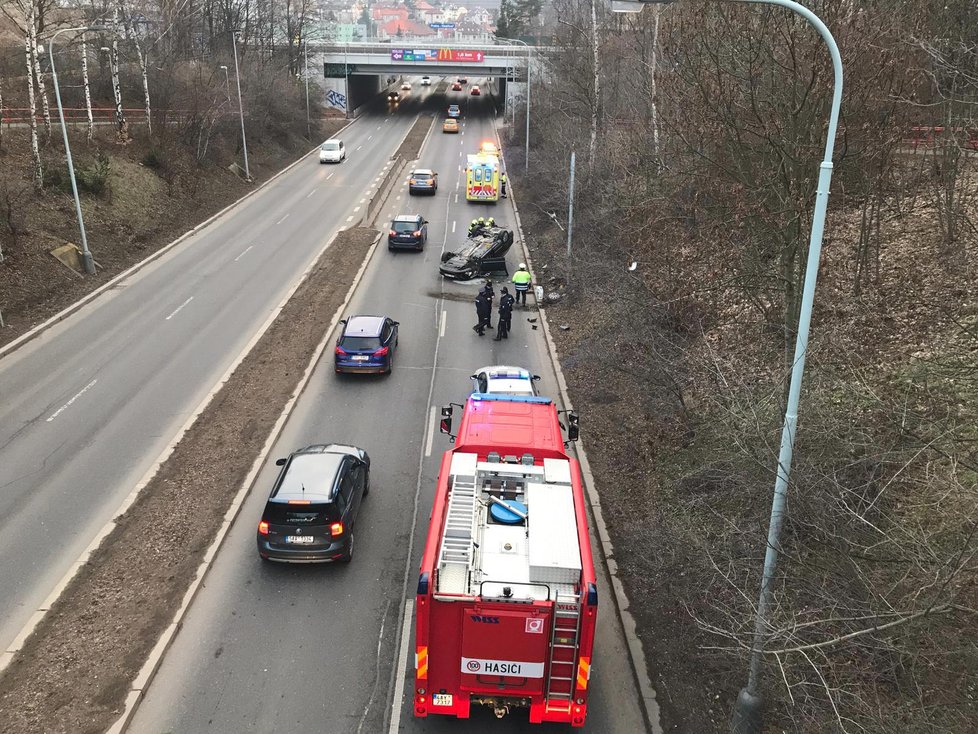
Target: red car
(475, 91)
(456, 87)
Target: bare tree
(88, 89)
(30, 53)
(131, 36)
(120, 116)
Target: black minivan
(312, 510)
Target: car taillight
(336, 529)
(340, 350)
(393, 233)
(263, 528)
(417, 233)
(382, 352)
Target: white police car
(504, 380)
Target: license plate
(300, 539)
(441, 699)
(360, 358)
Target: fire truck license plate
(441, 699)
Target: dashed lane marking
(179, 308)
(81, 392)
(244, 252)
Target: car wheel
(348, 556)
(390, 365)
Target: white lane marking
(358, 147)
(402, 658)
(356, 208)
(432, 416)
(378, 127)
(377, 676)
(398, 197)
(453, 227)
(349, 218)
(312, 192)
(282, 219)
(444, 321)
(370, 136)
(363, 201)
(456, 198)
(81, 392)
(331, 175)
(245, 252)
(179, 308)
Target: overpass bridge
(354, 73)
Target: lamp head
(635, 6)
(224, 67)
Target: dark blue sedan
(366, 344)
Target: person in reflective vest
(521, 281)
(502, 184)
(473, 227)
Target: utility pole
(570, 214)
(305, 45)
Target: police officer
(483, 310)
(489, 294)
(521, 281)
(506, 302)
(502, 184)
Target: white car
(426, 81)
(406, 86)
(504, 380)
(332, 151)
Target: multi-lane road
(267, 647)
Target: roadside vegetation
(698, 130)
(163, 150)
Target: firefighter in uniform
(490, 222)
(521, 281)
(502, 184)
(473, 227)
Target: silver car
(504, 380)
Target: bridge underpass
(355, 73)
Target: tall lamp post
(305, 50)
(746, 717)
(227, 80)
(88, 262)
(529, 63)
(237, 75)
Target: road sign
(441, 25)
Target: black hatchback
(408, 230)
(312, 511)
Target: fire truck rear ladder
(456, 547)
(566, 627)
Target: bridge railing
(361, 47)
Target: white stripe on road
(453, 227)
(370, 136)
(243, 253)
(431, 423)
(349, 218)
(356, 208)
(402, 658)
(363, 201)
(282, 219)
(358, 147)
(85, 389)
(179, 308)
(312, 192)
(456, 198)
(441, 329)
(330, 176)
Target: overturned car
(481, 253)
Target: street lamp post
(305, 45)
(529, 64)
(227, 81)
(88, 262)
(237, 75)
(746, 717)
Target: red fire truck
(507, 600)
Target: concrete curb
(636, 653)
(155, 659)
(88, 298)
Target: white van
(332, 151)
(426, 81)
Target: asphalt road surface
(87, 407)
(314, 648)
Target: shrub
(95, 178)
(154, 159)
